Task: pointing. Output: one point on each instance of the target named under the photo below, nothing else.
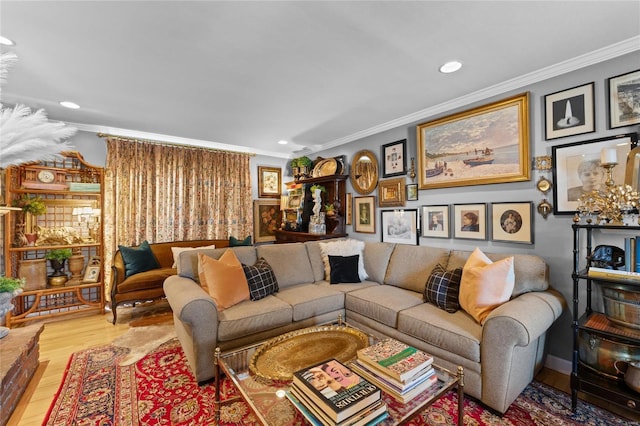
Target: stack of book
(402, 371)
(331, 394)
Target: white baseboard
(558, 364)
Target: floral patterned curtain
(158, 192)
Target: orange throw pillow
(485, 285)
(223, 279)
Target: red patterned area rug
(159, 389)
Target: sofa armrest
(513, 338)
(197, 329)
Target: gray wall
(553, 236)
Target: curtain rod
(127, 139)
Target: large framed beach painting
(484, 145)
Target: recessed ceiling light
(70, 105)
(450, 67)
(283, 142)
(6, 42)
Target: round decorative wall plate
(543, 185)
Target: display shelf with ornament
(71, 190)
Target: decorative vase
(58, 277)
(76, 265)
(34, 271)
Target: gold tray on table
(281, 356)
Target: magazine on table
(337, 390)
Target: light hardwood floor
(61, 338)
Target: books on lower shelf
(334, 392)
(614, 275)
(632, 254)
(395, 359)
(370, 416)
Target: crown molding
(609, 52)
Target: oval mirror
(632, 176)
(364, 172)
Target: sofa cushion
(138, 259)
(261, 279)
(177, 250)
(223, 279)
(382, 303)
(315, 258)
(311, 300)
(531, 271)
(410, 266)
(234, 242)
(443, 287)
(348, 247)
(252, 317)
(457, 333)
(188, 261)
(485, 285)
(344, 269)
(290, 263)
(376, 259)
(145, 280)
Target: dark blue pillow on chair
(234, 242)
(138, 259)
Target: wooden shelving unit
(45, 300)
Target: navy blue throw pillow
(443, 287)
(261, 279)
(344, 269)
(138, 259)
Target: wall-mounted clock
(38, 177)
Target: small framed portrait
(412, 192)
(365, 220)
(435, 221)
(570, 112)
(92, 270)
(624, 99)
(266, 220)
(391, 192)
(269, 182)
(394, 159)
(512, 222)
(577, 169)
(399, 226)
(470, 221)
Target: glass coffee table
(270, 405)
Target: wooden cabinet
(302, 210)
(597, 340)
(72, 191)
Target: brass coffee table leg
(217, 400)
(460, 395)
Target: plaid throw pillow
(261, 279)
(443, 287)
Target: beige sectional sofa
(500, 357)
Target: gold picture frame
(348, 209)
(484, 145)
(92, 270)
(365, 218)
(269, 182)
(266, 220)
(391, 192)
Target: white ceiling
(243, 75)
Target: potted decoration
(9, 288)
(330, 209)
(305, 164)
(25, 223)
(57, 259)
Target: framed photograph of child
(470, 221)
(512, 222)
(435, 221)
(577, 169)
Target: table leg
(217, 399)
(460, 395)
